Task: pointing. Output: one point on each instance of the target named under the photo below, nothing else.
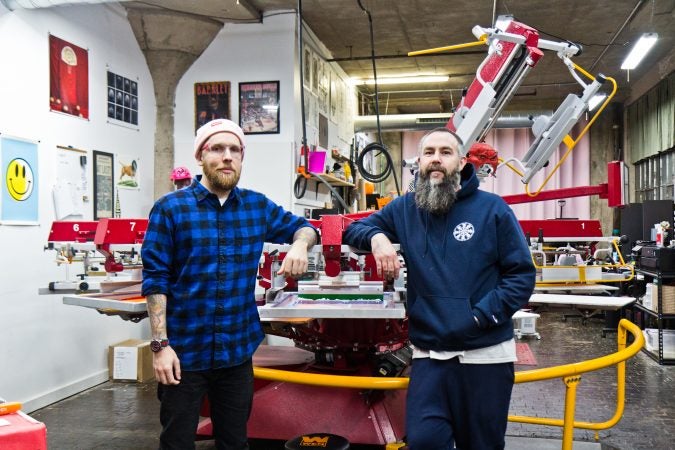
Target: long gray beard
(437, 198)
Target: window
(654, 177)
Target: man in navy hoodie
(469, 270)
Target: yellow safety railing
(570, 374)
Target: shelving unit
(662, 321)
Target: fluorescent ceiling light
(271, 107)
(402, 80)
(596, 100)
(639, 51)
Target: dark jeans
(230, 393)
(458, 405)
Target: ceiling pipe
(35, 4)
(616, 35)
(416, 122)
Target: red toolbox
(19, 431)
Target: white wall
(243, 53)
(48, 350)
(261, 52)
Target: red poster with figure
(68, 78)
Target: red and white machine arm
(513, 50)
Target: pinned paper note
(125, 363)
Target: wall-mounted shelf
(333, 181)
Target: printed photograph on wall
(334, 101)
(127, 175)
(68, 78)
(310, 109)
(323, 87)
(122, 100)
(315, 72)
(307, 67)
(19, 200)
(259, 107)
(212, 101)
(69, 191)
(103, 185)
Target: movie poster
(212, 101)
(68, 78)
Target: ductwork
(412, 122)
(35, 4)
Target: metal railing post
(570, 404)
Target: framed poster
(212, 101)
(20, 186)
(259, 107)
(104, 198)
(68, 78)
(315, 73)
(323, 86)
(334, 101)
(128, 172)
(307, 67)
(122, 100)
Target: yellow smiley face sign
(19, 178)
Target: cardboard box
(130, 360)
(651, 298)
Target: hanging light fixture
(402, 80)
(639, 51)
(595, 101)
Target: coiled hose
(388, 169)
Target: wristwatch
(158, 344)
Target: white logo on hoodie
(463, 232)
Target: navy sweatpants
(457, 405)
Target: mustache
(436, 167)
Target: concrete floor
(125, 416)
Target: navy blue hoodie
(471, 261)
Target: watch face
(155, 346)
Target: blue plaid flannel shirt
(204, 258)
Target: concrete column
(392, 141)
(605, 146)
(171, 42)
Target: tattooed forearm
(157, 315)
(306, 235)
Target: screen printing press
(125, 302)
(130, 305)
(107, 251)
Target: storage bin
(317, 161)
(652, 342)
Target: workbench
(575, 289)
(586, 306)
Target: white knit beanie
(216, 126)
